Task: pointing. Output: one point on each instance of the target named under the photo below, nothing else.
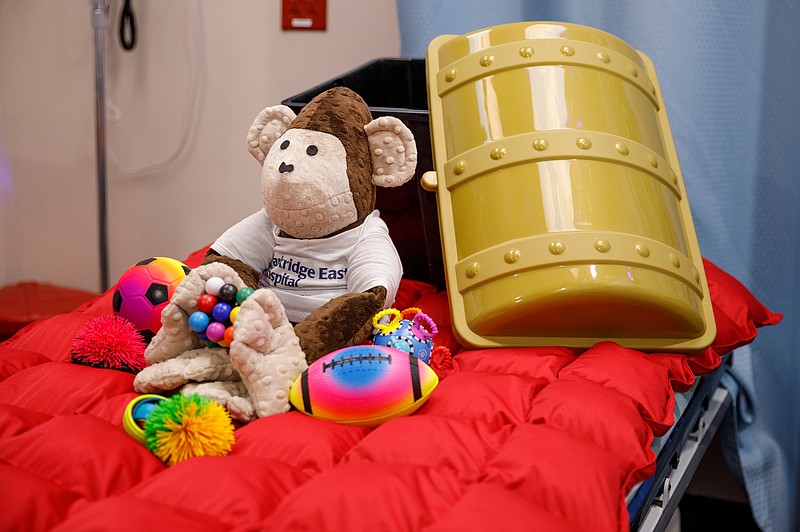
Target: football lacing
(350, 359)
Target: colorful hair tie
(417, 329)
(409, 313)
(386, 328)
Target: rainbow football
(363, 385)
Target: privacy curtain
(730, 76)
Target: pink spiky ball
(109, 342)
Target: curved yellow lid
(563, 213)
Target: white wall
(48, 221)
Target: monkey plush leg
(196, 365)
(341, 322)
(175, 337)
(266, 352)
(206, 372)
(232, 395)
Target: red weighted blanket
(514, 438)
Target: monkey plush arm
(247, 273)
(374, 271)
(341, 322)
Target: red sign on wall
(304, 14)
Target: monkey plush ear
(270, 124)
(392, 150)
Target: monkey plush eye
(284, 144)
(312, 150)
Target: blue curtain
(730, 76)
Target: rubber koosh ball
(143, 291)
(109, 342)
(183, 427)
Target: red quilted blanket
(517, 438)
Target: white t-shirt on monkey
(306, 274)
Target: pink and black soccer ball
(144, 290)
(363, 385)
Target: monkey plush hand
(318, 249)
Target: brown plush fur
(247, 273)
(342, 322)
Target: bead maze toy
(216, 312)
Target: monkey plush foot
(266, 352)
(206, 372)
(232, 395)
(196, 365)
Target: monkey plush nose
(283, 168)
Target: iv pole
(99, 11)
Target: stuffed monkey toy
(318, 254)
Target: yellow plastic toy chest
(563, 212)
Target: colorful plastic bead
(206, 302)
(228, 335)
(243, 294)
(227, 293)
(198, 321)
(221, 311)
(234, 314)
(213, 285)
(215, 331)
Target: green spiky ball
(185, 426)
